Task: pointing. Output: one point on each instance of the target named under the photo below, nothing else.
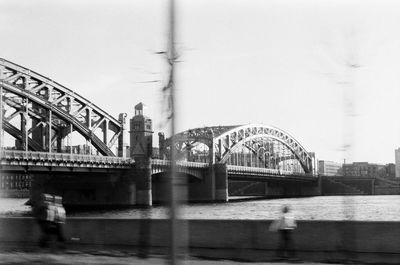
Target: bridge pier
(212, 187)
(221, 182)
(143, 182)
(203, 190)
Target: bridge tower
(141, 134)
(141, 149)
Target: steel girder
(226, 143)
(34, 114)
(67, 107)
(203, 135)
(222, 141)
(184, 140)
(16, 133)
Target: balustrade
(167, 163)
(43, 156)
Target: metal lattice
(47, 112)
(252, 145)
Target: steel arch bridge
(253, 145)
(41, 113)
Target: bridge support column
(121, 137)
(24, 131)
(131, 189)
(221, 182)
(143, 182)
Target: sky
(324, 71)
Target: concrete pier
(143, 182)
(221, 182)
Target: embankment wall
(229, 239)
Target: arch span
(49, 103)
(228, 141)
(224, 140)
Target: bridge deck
(263, 174)
(15, 158)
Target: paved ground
(86, 259)
(67, 257)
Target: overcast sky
(324, 71)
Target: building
(388, 172)
(329, 168)
(397, 159)
(362, 169)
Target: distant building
(389, 171)
(156, 153)
(329, 168)
(362, 169)
(397, 159)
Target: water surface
(363, 208)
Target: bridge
(71, 147)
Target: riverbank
(246, 240)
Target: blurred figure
(42, 213)
(285, 225)
(50, 215)
(59, 220)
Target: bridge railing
(244, 169)
(259, 170)
(159, 162)
(43, 156)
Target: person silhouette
(43, 216)
(50, 215)
(59, 220)
(285, 226)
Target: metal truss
(223, 141)
(48, 112)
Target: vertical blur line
(348, 232)
(26, 126)
(1, 115)
(172, 192)
(349, 85)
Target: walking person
(59, 220)
(285, 226)
(44, 218)
(50, 215)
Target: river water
(363, 208)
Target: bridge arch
(54, 109)
(227, 142)
(222, 141)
